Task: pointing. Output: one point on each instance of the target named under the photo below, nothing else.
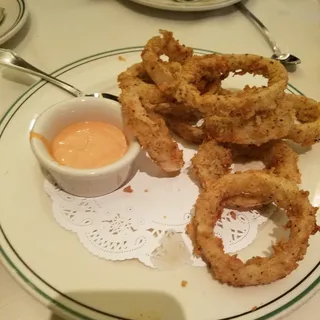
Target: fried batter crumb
(146, 190)
(184, 283)
(233, 215)
(120, 58)
(128, 189)
(316, 229)
(254, 308)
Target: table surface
(58, 32)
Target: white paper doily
(148, 223)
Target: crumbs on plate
(184, 283)
(128, 189)
(120, 58)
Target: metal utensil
(2, 14)
(10, 59)
(285, 58)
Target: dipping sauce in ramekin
(84, 145)
(88, 145)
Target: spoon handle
(10, 59)
(263, 28)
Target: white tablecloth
(60, 31)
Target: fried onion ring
(213, 161)
(186, 129)
(176, 110)
(136, 77)
(210, 163)
(258, 270)
(244, 103)
(307, 111)
(259, 129)
(278, 157)
(151, 131)
(151, 97)
(158, 69)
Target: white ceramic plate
(53, 265)
(201, 5)
(16, 16)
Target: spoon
(10, 59)
(285, 58)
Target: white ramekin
(83, 182)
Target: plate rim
(18, 24)
(183, 8)
(39, 293)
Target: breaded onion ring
(176, 110)
(151, 97)
(277, 156)
(259, 129)
(159, 70)
(183, 120)
(136, 77)
(186, 129)
(307, 111)
(212, 161)
(244, 103)
(256, 271)
(151, 131)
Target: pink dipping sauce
(89, 145)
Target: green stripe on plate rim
(17, 104)
(22, 9)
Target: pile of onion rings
(183, 94)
